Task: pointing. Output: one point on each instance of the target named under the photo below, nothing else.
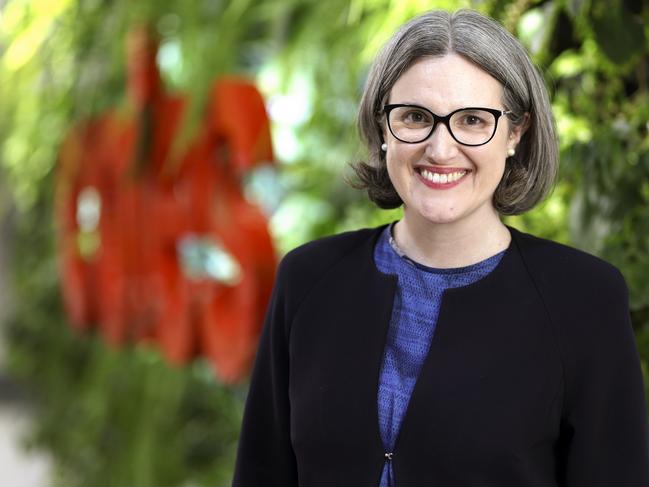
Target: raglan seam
(553, 325)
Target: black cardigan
(532, 378)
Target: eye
(415, 116)
(471, 119)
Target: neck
(448, 245)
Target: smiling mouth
(444, 177)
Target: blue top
(414, 316)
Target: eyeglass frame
(445, 120)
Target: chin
(440, 219)
(437, 214)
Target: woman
(448, 349)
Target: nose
(441, 146)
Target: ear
(517, 131)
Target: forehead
(446, 83)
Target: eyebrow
(483, 105)
(479, 104)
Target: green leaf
(618, 33)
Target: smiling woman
(447, 348)
(472, 145)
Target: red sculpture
(166, 249)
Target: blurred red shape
(237, 115)
(120, 188)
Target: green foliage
(112, 417)
(124, 417)
(601, 99)
(127, 418)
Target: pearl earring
(511, 151)
(384, 147)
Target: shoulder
(586, 301)
(304, 266)
(560, 268)
(325, 251)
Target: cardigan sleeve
(265, 455)
(604, 432)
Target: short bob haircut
(530, 174)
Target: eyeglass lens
(469, 126)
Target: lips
(441, 177)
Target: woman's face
(442, 85)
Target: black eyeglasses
(470, 126)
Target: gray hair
(528, 177)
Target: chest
(490, 387)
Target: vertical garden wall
(124, 416)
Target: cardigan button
(388, 456)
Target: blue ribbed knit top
(412, 326)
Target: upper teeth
(442, 178)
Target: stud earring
(511, 151)
(384, 147)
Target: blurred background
(158, 158)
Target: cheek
(398, 168)
(393, 167)
(501, 143)
(491, 162)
